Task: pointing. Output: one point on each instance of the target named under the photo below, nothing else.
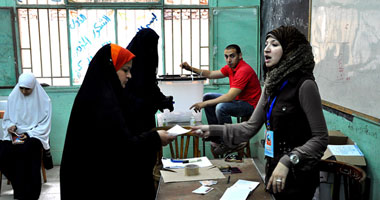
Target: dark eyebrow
(24, 88)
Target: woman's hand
(201, 131)
(165, 137)
(23, 136)
(278, 178)
(12, 129)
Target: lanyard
(269, 112)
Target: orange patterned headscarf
(120, 56)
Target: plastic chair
(354, 180)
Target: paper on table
(205, 173)
(177, 130)
(234, 193)
(251, 185)
(201, 162)
(239, 190)
(345, 150)
(203, 190)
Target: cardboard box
(338, 138)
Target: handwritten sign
(89, 31)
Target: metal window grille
(44, 45)
(186, 39)
(47, 52)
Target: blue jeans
(221, 113)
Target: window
(44, 44)
(57, 44)
(186, 39)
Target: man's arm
(229, 96)
(206, 73)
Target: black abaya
(101, 157)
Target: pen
(228, 180)
(177, 161)
(167, 169)
(185, 161)
(192, 161)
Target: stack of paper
(240, 190)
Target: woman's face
(272, 52)
(124, 73)
(26, 91)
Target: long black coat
(102, 157)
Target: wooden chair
(247, 150)
(244, 152)
(181, 146)
(354, 180)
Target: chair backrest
(354, 179)
(181, 146)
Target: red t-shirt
(244, 77)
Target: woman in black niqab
(144, 97)
(101, 155)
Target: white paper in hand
(177, 130)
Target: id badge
(269, 143)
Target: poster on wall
(89, 31)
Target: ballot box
(186, 91)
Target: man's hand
(198, 106)
(186, 66)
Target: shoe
(222, 149)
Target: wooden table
(2, 114)
(183, 190)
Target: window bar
(200, 37)
(59, 43)
(39, 36)
(172, 40)
(50, 52)
(181, 36)
(191, 37)
(30, 42)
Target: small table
(183, 190)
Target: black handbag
(47, 159)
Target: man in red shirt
(239, 101)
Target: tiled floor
(50, 189)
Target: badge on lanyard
(269, 143)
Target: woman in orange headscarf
(101, 156)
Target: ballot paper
(239, 190)
(345, 150)
(202, 190)
(177, 130)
